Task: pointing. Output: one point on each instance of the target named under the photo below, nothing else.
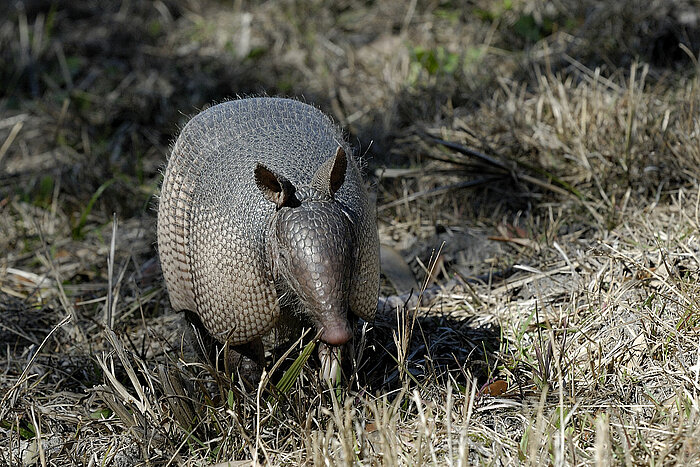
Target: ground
(536, 173)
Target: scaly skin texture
(260, 200)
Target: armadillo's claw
(330, 363)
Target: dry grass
(536, 166)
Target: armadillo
(264, 218)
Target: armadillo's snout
(336, 334)
(314, 255)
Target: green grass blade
(289, 376)
(78, 229)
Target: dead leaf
(396, 269)
(494, 389)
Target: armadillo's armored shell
(212, 218)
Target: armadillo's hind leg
(245, 361)
(204, 343)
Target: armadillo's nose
(336, 333)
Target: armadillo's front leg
(332, 357)
(330, 362)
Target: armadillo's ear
(275, 187)
(330, 176)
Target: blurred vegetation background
(102, 87)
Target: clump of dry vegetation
(536, 169)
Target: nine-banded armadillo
(263, 213)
